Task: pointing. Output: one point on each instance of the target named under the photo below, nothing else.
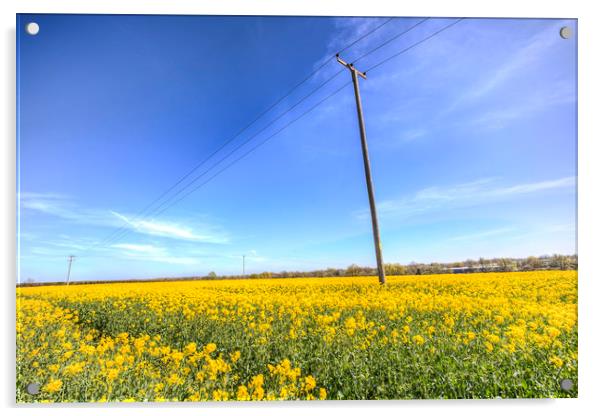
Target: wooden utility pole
(360, 117)
(70, 260)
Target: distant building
(474, 269)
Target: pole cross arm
(350, 66)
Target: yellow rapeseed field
(437, 336)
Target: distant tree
(507, 265)
(436, 268)
(532, 263)
(394, 269)
(414, 268)
(330, 272)
(353, 270)
(211, 275)
(483, 264)
(470, 263)
(560, 262)
(367, 271)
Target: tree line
(497, 264)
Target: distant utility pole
(70, 260)
(360, 117)
(243, 264)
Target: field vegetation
(481, 335)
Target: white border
(590, 135)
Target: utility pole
(243, 264)
(360, 117)
(70, 260)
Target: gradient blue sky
(472, 139)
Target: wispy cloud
(139, 248)
(527, 188)
(172, 230)
(533, 103)
(532, 51)
(473, 193)
(67, 209)
(482, 234)
(148, 252)
(413, 134)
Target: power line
(233, 151)
(371, 51)
(260, 131)
(169, 205)
(313, 107)
(362, 37)
(299, 102)
(108, 239)
(125, 230)
(255, 147)
(414, 45)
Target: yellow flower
(494, 339)
(322, 394)
(235, 356)
(74, 368)
(119, 359)
(220, 395)
(284, 393)
(112, 374)
(553, 332)
(557, 361)
(209, 348)
(418, 339)
(190, 348)
(256, 381)
(174, 379)
(350, 325)
(310, 383)
(53, 385)
(242, 393)
(258, 393)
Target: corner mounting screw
(565, 32)
(33, 388)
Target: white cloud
(148, 252)
(62, 207)
(473, 193)
(483, 234)
(528, 106)
(172, 230)
(532, 51)
(65, 208)
(413, 134)
(533, 187)
(140, 248)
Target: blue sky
(472, 138)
